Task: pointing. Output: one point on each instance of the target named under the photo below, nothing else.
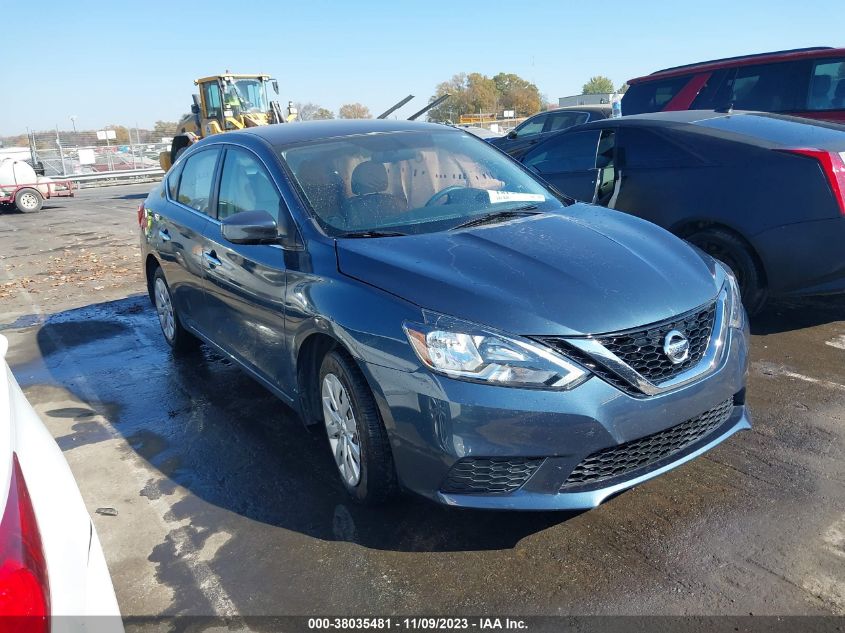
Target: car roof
(741, 60)
(286, 133)
(763, 128)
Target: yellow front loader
(225, 103)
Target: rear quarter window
(652, 96)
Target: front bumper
(434, 422)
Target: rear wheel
(356, 434)
(29, 200)
(735, 254)
(176, 336)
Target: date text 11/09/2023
(418, 623)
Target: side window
(563, 120)
(652, 96)
(827, 85)
(211, 92)
(173, 180)
(532, 126)
(566, 153)
(646, 150)
(197, 177)
(246, 186)
(768, 87)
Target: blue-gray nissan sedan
(461, 330)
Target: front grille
(486, 475)
(644, 452)
(642, 349)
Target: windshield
(410, 182)
(246, 95)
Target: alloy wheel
(164, 307)
(342, 429)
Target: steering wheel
(442, 193)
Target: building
(576, 100)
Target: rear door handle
(211, 259)
(164, 235)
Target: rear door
(177, 232)
(246, 283)
(568, 161)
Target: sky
(132, 63)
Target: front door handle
(211, 259)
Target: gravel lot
(228, 505)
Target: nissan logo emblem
(676, 347)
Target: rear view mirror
(250, 227)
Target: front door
(568, 161)
(246, 283)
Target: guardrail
(119, 174)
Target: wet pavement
(227, 504)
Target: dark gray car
(459, 329)
(763, 193)
(540, 126)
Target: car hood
(586, 270)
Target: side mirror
(250, 227)
(512, 135)
(276, 86)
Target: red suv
(807, 82)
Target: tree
(121, 133)
(166, 128)
(473, 93)
(354, 111)
(598, 85)
(323, 113)
(307, 110)
(623, 88)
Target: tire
(735, 254)
(376, 477)
(29, 200)
(176, 336)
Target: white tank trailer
(19, 185)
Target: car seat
(371, 205)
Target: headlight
(470, 352)
(737, 310)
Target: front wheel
(29, 200)
(176, 336)
(735, 254)
(356, 434)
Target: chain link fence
(62, 154)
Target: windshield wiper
(498, 216)
(366, 234)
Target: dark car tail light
(141, 215)
(833, 166)
(24, 585)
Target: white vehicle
(51, 562)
